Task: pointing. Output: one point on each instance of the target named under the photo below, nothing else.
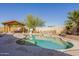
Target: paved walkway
(8, 47)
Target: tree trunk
(77, 30)
(34, 30)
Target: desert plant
(33, 22)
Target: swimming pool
(51, 43)
(48, 43)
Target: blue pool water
(51, 43)
(48, 43)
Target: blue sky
(53, 14)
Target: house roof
(12, 22)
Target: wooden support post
(23, 28)
(4, 28)
(9, 28)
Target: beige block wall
(48, 29)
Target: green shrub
(69, 45)
(21, 42)
(25, 42)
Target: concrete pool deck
(75, 49)
(9, 47)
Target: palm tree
(68, 26)
(73, 20)
(74, 16)
(33, 22)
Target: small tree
(33, 22)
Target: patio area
(9, 47)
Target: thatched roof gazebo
(13, 25)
